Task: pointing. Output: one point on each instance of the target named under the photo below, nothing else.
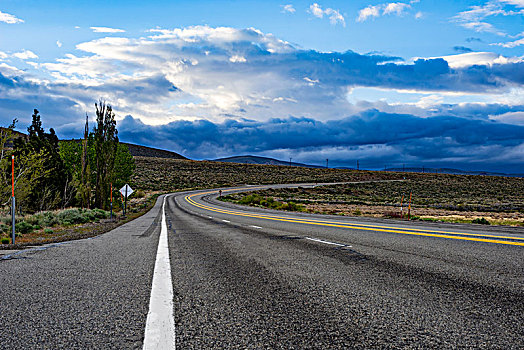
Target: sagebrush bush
(5, 240)
(481, 221)
(24, 227)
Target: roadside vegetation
(264, 202)
(61, 183)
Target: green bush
(24, 227)
(47, 219)
(4, 228)
(100, 214)
(481, 221)
(71, 217)
(5, 240)
(48, 231)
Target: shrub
(5, 240)
(23, 227)
(47, 219)
(140, 194)
(100, 214)
(4, 228)
(71, 217)
(48, 231)
(481, 221)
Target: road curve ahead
(235, 277)
(253, 278)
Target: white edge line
(226, 220)
(255, 226)
(160, 324)
(327, 242)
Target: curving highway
(203, 274)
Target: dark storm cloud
(404, 136)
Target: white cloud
(515, 118)
(475, 17)
(316, 10)
(3, 55)
(58, 43)
(370, 11)
(334, 15)
(517, 3)
(419, 15)
(478, 58)
(481, 27)
(237, 59)
(288, 8)
(392, 8)
(512, 44)
(396, 8)
(106, 30)
(9, 19)
(25, 55)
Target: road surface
(251, 278)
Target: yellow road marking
(388, 229)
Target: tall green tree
(6, 150)
(106, 145)
(49, 181)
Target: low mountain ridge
(262, 161)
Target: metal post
(13, 204)
(111, 215)
(13, 219)
(125, 205)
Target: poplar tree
(106, 144)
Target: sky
(415, 83)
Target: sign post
(13, 197)
(126, 191)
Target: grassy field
(173, 174)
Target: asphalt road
(251, 278)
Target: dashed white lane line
(327, 242)
(160, 324)
(255, 226)
(226, 220)
(209, 217)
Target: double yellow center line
(477, 237)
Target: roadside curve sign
(126, 190)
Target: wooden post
(401, 207)
(409, 207)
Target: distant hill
(262, 161)
(143, 151)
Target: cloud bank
(202, 91)
(377, 138)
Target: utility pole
(327, 162)
(423, 169)
(357, 165)
(13, 197)
(290, 161)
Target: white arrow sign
(126, 190)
